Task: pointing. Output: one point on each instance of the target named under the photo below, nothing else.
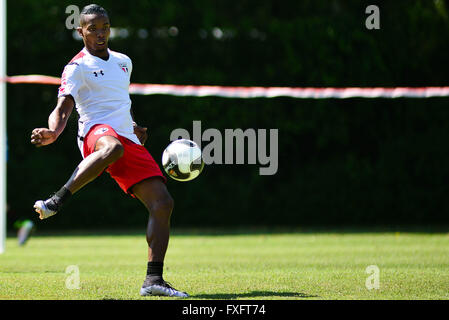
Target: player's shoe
(42, 208)
(160, 288)
(25, 230)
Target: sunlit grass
(259, 266)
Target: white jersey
(100, 89)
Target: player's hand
(141, 133)
(42, 137)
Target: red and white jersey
(100, 89)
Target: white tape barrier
(260, 92)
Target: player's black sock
(154, 271)
(58, 199)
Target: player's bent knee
(154, 195)
(170, 203)
(163, 207)
(113, 152)
(110, 148)
(166, 204)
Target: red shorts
(135, 165)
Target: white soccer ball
(182, 160)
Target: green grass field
(213, 265)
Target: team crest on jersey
(124, 67)
(100, 131)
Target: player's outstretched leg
(154, 195)
(108, 149)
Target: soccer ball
(182, 160)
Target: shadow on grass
(253, 294)
(243, 230)
(248, 231)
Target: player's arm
(56, 123)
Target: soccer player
(96, 82)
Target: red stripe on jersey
(63, 77)
(79, 55)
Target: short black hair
(92, 9)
